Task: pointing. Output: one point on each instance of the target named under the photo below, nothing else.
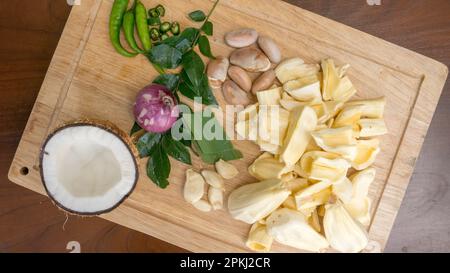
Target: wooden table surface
(29, 222)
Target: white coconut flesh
(87, 169)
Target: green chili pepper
(142, 27)
(161, 10)
(153, 13)
(164, 27)
(115, 23)
(154, 21)
(164, 36)
(175, 28)
(154, 34)
(128, 30)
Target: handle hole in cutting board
(24, 171)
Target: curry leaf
(146, 143)
(165, 56)
(205, 48)
(158, 167)
(168, 80)
(193, 66)
(208, 28)
(176, 149)
(197, 16)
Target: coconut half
(88, 168)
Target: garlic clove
(213, 179)
(202, 205)
(215, 197)
(226, 170)
(193, 187)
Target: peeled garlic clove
(252, 202)
(217, 71)
(343, 189)
(194, 186)
(302, 121)
(202, 205)
(226, 170)
(240, 77)
(258, 239)
(270, 48)
(295, 68)
(213, 179)
(264, 81)
(366, 153)
(373, 108)
(215, 197)
(342, 231)
(371, 127)
(291, 228)
(251, 59)
(241, 37)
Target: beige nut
(233, 94)
(270, 48)
(250, 59)
(241, 37)
(240, 77)
(264, 81)
(217, 71)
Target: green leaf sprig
(179, 51)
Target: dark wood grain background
(29, 33)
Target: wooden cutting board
(87, 78)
